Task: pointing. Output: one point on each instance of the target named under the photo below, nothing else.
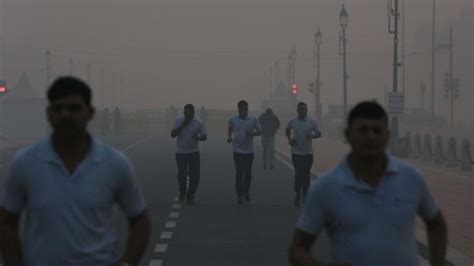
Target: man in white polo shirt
(69, 184)
(300, 133)
(368, 204)
(241, 132)
(189, 130)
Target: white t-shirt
(242, 142)
(186, 143)
(302, 132)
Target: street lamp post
(343, 19)
(48, 68)
(317, 83)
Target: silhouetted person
(116, 120)
(368, 203)
(300, 133)
(189, 130)
(270, 125)
(106, 121)
(70, 183)
(241, 132)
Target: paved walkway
(453, 189)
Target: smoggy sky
(215, 52)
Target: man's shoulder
(28, 153)
(111, 154)
(407, 171)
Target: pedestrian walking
(270, 125)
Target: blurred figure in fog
(70, 183)
(116, 122)
(106, 120)
(189, 130)
(270, 125)
(369, 202)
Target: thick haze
(215, 52)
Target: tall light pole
(292, 61)
(318, 37)
(343, 20)
(395, 13)
(49, 68)
(451, 85)
(433, 57)
(71, 66)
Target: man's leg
(182, 163)
(239, 170)
(265, 151)
(298, 184)
(248, 175)
(194, 175)
(271, 149)
(308, 164)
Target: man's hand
(229, 140)
(250, 133)
(196, 135)
(292, 142)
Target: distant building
(23, 112)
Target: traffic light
(294, 89)
(3, 88)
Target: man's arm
(258, 128)
(300, 248)
(139, 236)
(316, 130)
(10, 244)
(230, 131)
(437, 239)
(175, 132)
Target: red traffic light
(3, 90)
(294, 89)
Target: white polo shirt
(185, 142)
(302, 132)
(242, 142)
(70, 217)
(369, 226)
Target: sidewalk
(453, 190)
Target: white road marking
(156, 263)
(166, 235)
(176, 206)
(168, 225)
(159, 248)
(174, 215)
(135, 144)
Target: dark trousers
(243, 176)
(188, 163)
(302, 164)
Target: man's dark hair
(302, 103)
(69, 86)
(243, 103)
(189, 107)
(368, 110)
